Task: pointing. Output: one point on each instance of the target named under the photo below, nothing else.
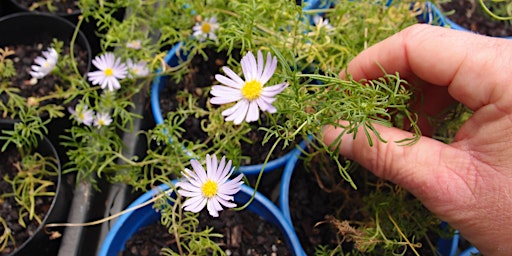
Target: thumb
(417, 167)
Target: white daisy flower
(82, 114)
(102, 119)
(250, 95)
(134, 44)
(138, 69)
(206, 29)
(210, 188)
(110, 70)
(322, 23)
(44, 65)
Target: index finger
(474, 67)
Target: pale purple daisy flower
(250, 95)
(210, 188)
(82, 114)
(102, 119)
(206, 29)
(111, 69)
(134, 44)
(321, 22)
(139, 69)
(45, 64)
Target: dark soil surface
(244, 233)
(469, 14)
(310, 204)
(23, 60)
(9, 207)
(202, 75)
(58, 6)
(325, 209)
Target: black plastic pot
(16, 6)
(40, 243)
(88, 28)
(30, 27)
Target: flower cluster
(250, 95)
(210, 187)
(322, 22)
(84, 115)
(206, 29)
(111, 70)
(45, 64)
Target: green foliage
(310, 57)
(32, 180)
(183, 226)
(6, 237)
(27, 133)
(48, 4)
(379, 218)
(6, 66)
(497, 9)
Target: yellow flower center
(109, 72)
(252, 89)
(206, 27)
(209, 188)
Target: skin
(467, 183)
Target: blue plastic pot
(129, 223)
(433, 15)
(446, 247)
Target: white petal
(231, 74)
(230, 188)
(225, 197)
(226, 203)
(198, 168)
(249, 67)
(212, 168)
(270, 68)
(39, 60)
(37, 75)
(222, 170)
(271, 91)
(187, 193)
(195, 204)
(225, 99)
(96, 77)
(213, 207)
(239, 111)
(189, 187)
(229, 82)
(260, 63)
(253, 113)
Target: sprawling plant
(283, 65)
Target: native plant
(497, 9)
(33, 179)
(282, 67)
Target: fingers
(472, 66)
(413, 167)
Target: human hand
(467, 183)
